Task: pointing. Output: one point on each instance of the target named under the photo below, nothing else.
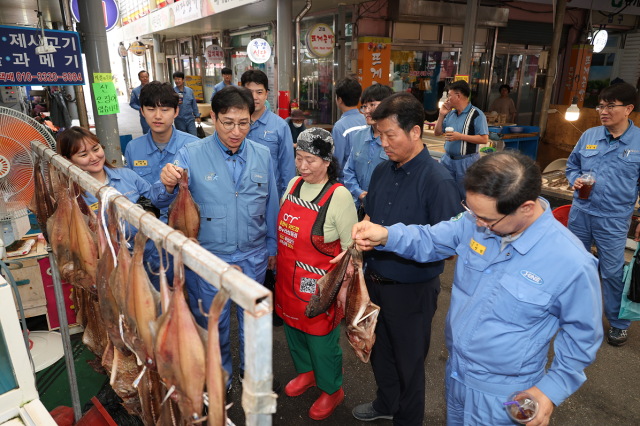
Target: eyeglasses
(608, 108)
(482, 221)
(368, 107)
(230, 125)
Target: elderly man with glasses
(521, 280)
(612, 152)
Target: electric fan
(17, 130)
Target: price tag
(106, 98)
(102, 77)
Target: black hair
(509, 177)
(623, 92)
(460, 86)
(375, 93)
(178, 74)
(349, 90)
(255, 76)
(226, 71)
(404, 108)
(232, 97)
(333, 171)
(140, 72)
(505, 86)
(157, 94)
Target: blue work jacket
(218, 87)
(144, 157)
(351, 121)
(366, 154)
(272, 132)
(235, 217)
(617, 169)
(189, 108)
(507, 305)
(134, 102)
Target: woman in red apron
(314, 226)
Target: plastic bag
(630, 310)
(200, 131)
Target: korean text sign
(578, 75)
(106, 98)
(259, 51)
(374, 57)
(320, 40)
(20, 66)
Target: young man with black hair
(612, 152)
(231, 178)
(226, 81)
(469, 130)
(521, 279)
(366, 149)
(188, 112)
(411, 187)
(348, 92)
(270, 130)
(134, 103)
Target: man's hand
(367, 235)
(364, 194)
(198, 120)
(545, 408)
(455, 136)
(577, 184)
(637, 238)
(169, 176)
(445, 108)
(272, 263)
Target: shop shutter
(630, 62)
(531, 33)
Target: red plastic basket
(562, 214)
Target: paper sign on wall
(106, 98)
(102, 77)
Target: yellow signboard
(461, 77)
(102, 77)
(194, 82)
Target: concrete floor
(611, 395)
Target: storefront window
(213, 72)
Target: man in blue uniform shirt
(270, 130)
(366, 148)
(521, 278)
(226, 81)
(469, 130)
(188, 112)
(134, 103)
(612, 152)
(231, 179)
(348, 92)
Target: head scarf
(318, 142)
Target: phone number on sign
(41, 77)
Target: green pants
(322, 354)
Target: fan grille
(17, 130)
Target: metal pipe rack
(258, 400)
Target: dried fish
(43, 204)
(328, 288)
(184, 213)
(217, 376)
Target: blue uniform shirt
(350, 121)
(617, 169)
(218, 87)
(366, 154)
(144, 157)
(420, 192)
(135, 99)
(273, 132)
(189, 107)
(507, 305)
(160, 197)
(476, 124)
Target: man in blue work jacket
(469, 130)
(612, 152)
(148, 154)
(348, 92)
(521, 278)
(270, 130)
(231, 179)
(188, 112)
(226, 81)
(366, 148)
(134, 103)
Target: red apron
(303, 258)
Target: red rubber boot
(324, 406)
(300, 384)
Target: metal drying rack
(258, 400)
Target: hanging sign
(20, 66)
(461, 77)
(259, 51)
(374, 57)
(600, 41)
(138, 48)
(110, 9)
(122, 51)
(320, 40)
(214, 54)
(578, 74)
